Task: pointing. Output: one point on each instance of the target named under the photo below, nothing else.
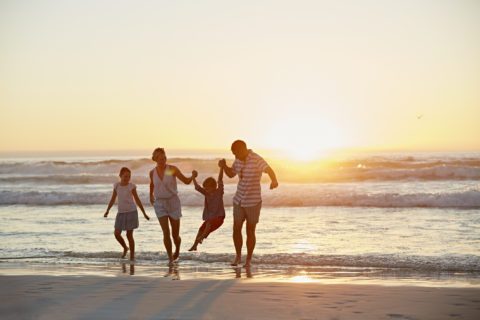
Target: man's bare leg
(251, 241)
(237, 240)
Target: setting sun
(303, 138)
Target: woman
(165, 201)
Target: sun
(303, 138)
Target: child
(127, 216)
(213, 212)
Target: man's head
(239, 149)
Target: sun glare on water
(303, 138)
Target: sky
(291, 75)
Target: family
(247, 201)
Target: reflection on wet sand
(132, 268)
(238, 272)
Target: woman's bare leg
(166, 236)
(176, 236)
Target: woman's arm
(139, 203)
(152, 199)
(111, 203)
(177, 173)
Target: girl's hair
(123, 170)
(209, 182)
(157, 150)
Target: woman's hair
(209, 182)
(123, 170)
(157, 150)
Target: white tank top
(125, 197)
(166, 188)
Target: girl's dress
(127, 216)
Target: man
(247, 202)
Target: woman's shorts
(215, 223)
(126, 220)
(168, 207)
(251, 214)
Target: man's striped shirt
(249, 192)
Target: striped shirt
(249, 192)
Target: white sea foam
(288, 196)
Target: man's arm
(228, 170)
(273, 177)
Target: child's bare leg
(118, 236)
(205, 232)
(131, 244)
(195, 244)
(166, 236)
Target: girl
(127, 216)
(165, 201)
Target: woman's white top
(125, 197)
(164, 188)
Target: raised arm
(273, 177)
(177, 173)
(220, 175)
(111, 203)
(197, 186)
(228, 170)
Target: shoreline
(139, 297)
(188, 270)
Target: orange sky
(292, 75)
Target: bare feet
(193, 248)
(247, 264)
(177, 249)
(125, 250)
(236, 261)
(170, 263)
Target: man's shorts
(251, 214)
(168, 207)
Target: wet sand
(127, 297)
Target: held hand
(194, 174)
(273, 185)
(222, 163)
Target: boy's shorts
(251, 214)
(170, 207)
(215, 223)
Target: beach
(93, 297)
(379, 236)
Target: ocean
(396, 217)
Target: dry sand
(91, 297)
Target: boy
(213, 212)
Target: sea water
(411, 217)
